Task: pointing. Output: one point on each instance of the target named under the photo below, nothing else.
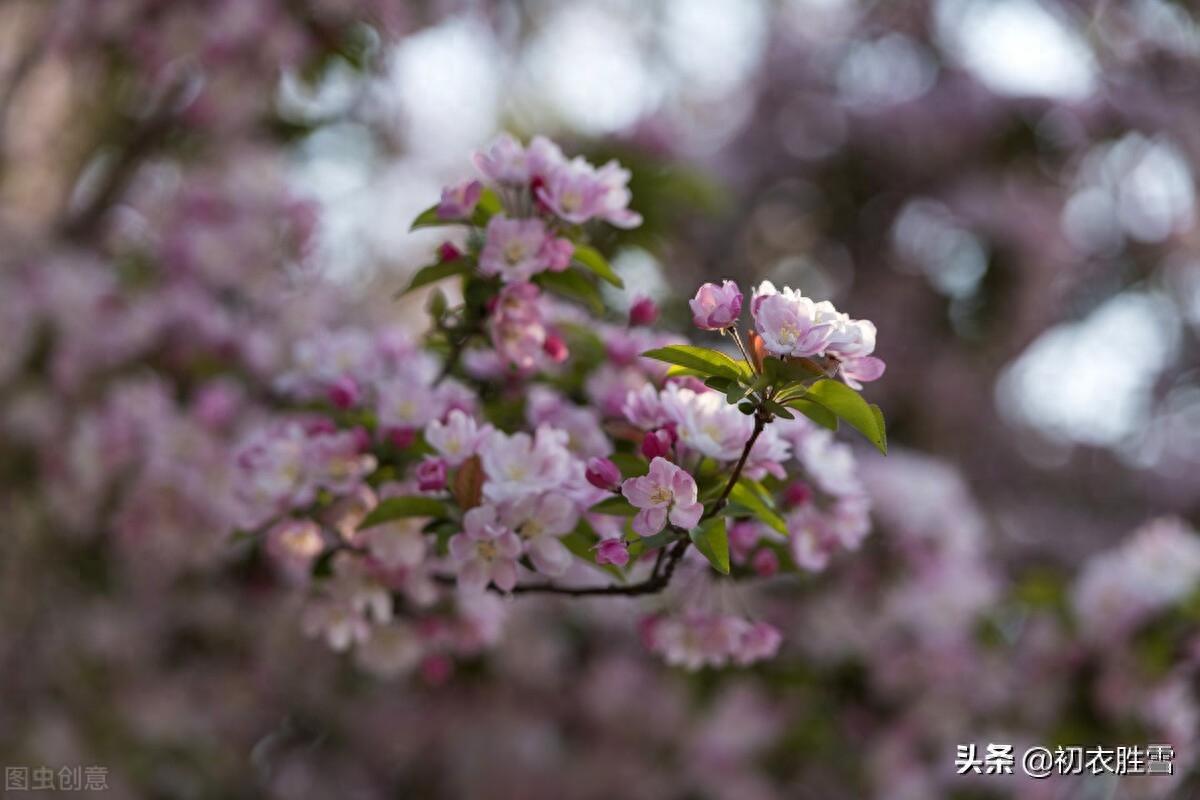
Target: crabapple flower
(789, 323)
(857, 370)
(700, 639)
(716, 308)
(539, 521)
(577, 192)
(668, 492)
(459, 200)
(517, 329)
(515, 249)
(521, 464)
(612, 551)
(486, 551)
(457, 438)
(506, 161)
(603, 474)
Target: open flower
(715, 307)
(539, 520)
(666, 493)
(791, 324)
(486, 551)
(459, 200)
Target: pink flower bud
(658, 443)
(401, 437)
(436, 669)
(344, 393)
(603, 474)
(644, 311)
(765, 562)
(716, 307)
(431, 475)
(448, 252)
(612, 551)
(362, 438)
(797, 494)
(556, 348)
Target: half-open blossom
(459, 200)
(789, 323)
(431, 475)
(612, 551)
(486, 551)
(667, 492)
(715, 307)
(603, 474)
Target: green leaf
(436, 272)
(882, 427)
(429, 219)
(660, 539)
(713, 543)
(590, 259)
(718, 384)
(572, 284)
(818, 414)
(850, 406)
(400, 507)
(614, 506)
(777, 410)
(753, 497)
(631, 466)
(701, 359)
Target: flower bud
(765, 562)
(448, 252)
(431, 475)
(603, 474)
(344, 393)
(658, 443)
(797, 494)
(644, 311)
(716, 308)
(612, 551)
(556, 348)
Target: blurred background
(1006, 187)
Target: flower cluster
(414, 483)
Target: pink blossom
(486, 551)
(577, 192)
(504, 160)
(457, 438)
(517, 330)
(539, 520)
(789, 323)
(612, 551)
(715, 307)
(459, 200)
(292, 545)
(521, 464)
(857, 370)
(666, 493)
(517, 249)
(337, 462)
(398, 544)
